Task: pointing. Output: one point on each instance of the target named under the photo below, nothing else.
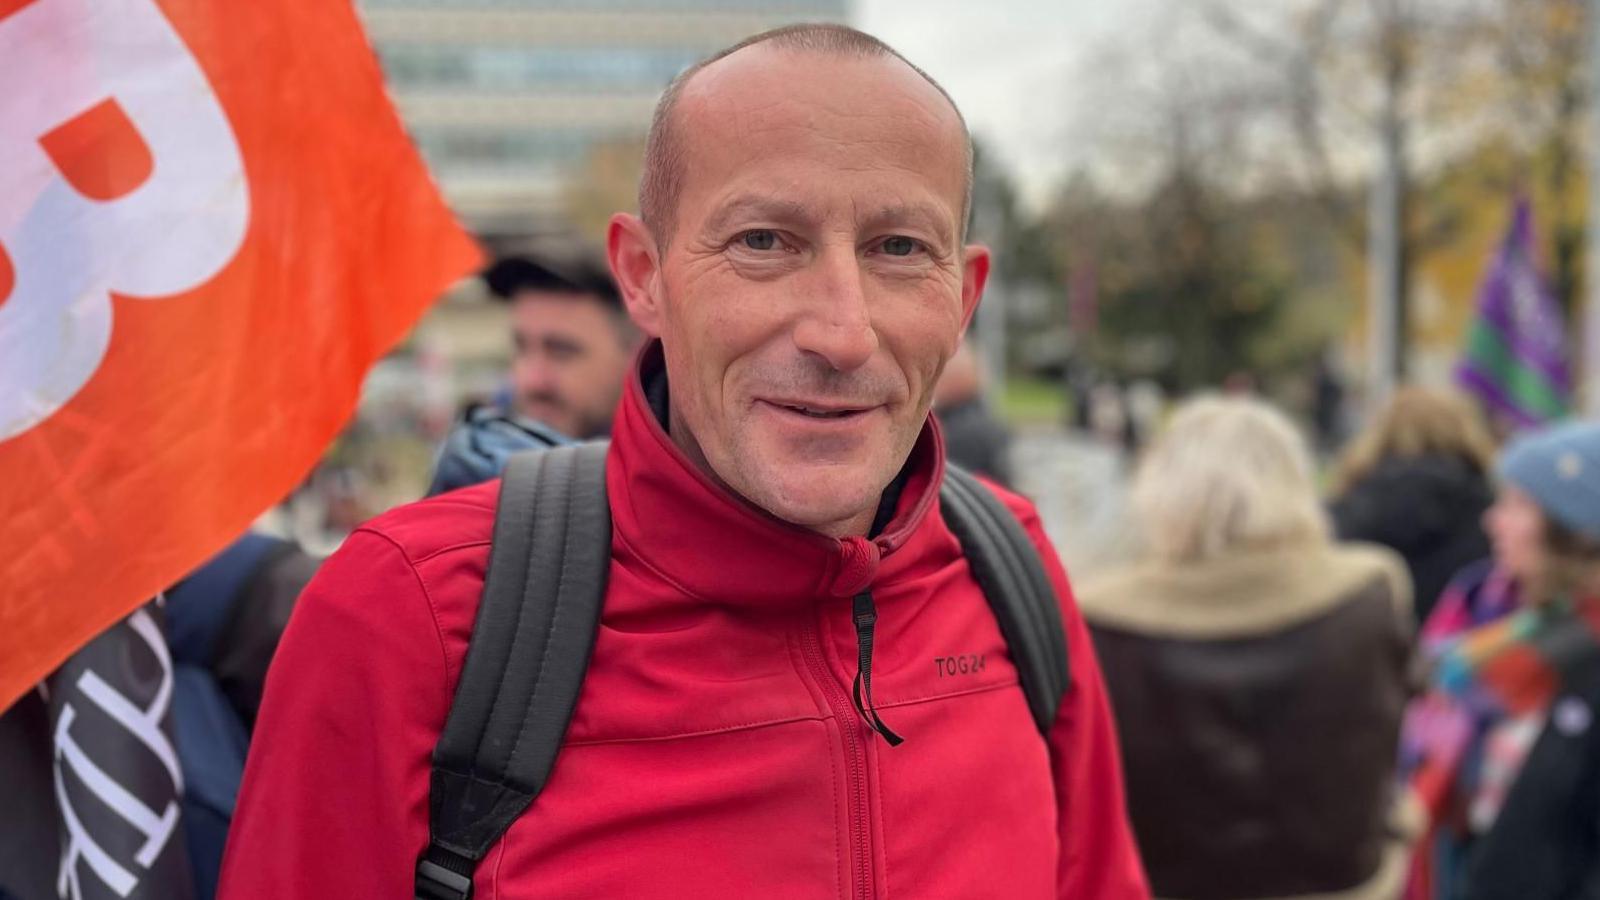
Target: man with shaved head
(797, 686)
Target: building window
(503, 68)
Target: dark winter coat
(1428, 509)
(977, 441)
(1258, 696)
(1545, 844)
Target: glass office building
(507, 99)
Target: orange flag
(211, 224)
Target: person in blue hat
(1502, 751)
(1546, 524)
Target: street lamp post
(1590, 362)
(1386, 331)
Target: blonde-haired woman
(1256, 668)
(1417, 481)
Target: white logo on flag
(1528, 312)
(66, 251)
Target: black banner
(115, 774)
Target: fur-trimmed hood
(1244, 594)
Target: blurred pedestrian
(478, 447)
(1327, 401)
(973, 437)
(223, 623)
(1417, 481)
(1108, 415)
(572, 341)
(1257, 670)
(1501, 750)
(1147, 404)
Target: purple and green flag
(1516, 353)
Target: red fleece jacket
(714, 751)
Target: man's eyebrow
(925, 214)
(560, 342)
(756, 206)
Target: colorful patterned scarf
(1492, 660)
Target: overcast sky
(1013, 66)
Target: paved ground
(1080, 487)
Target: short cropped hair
(1227, 474)
(662, 179)
(508, 277)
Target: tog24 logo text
(962, 664)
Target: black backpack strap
(525, 665)
(1007, 566)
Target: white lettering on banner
(66, 251)
(80, 844)
(144, 724)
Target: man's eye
(900, 246)
(760, 239)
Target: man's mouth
(818, 410)
(821, 413)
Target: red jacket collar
(714, 545)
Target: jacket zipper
(850, 727)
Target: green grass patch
(1026, 400)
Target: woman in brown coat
(1257, 671)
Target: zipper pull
(866, 618)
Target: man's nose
(537, 375)
(836, 324)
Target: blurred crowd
(1387, 683)
(1376, 668)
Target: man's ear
(974, 275)
(631, 250)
